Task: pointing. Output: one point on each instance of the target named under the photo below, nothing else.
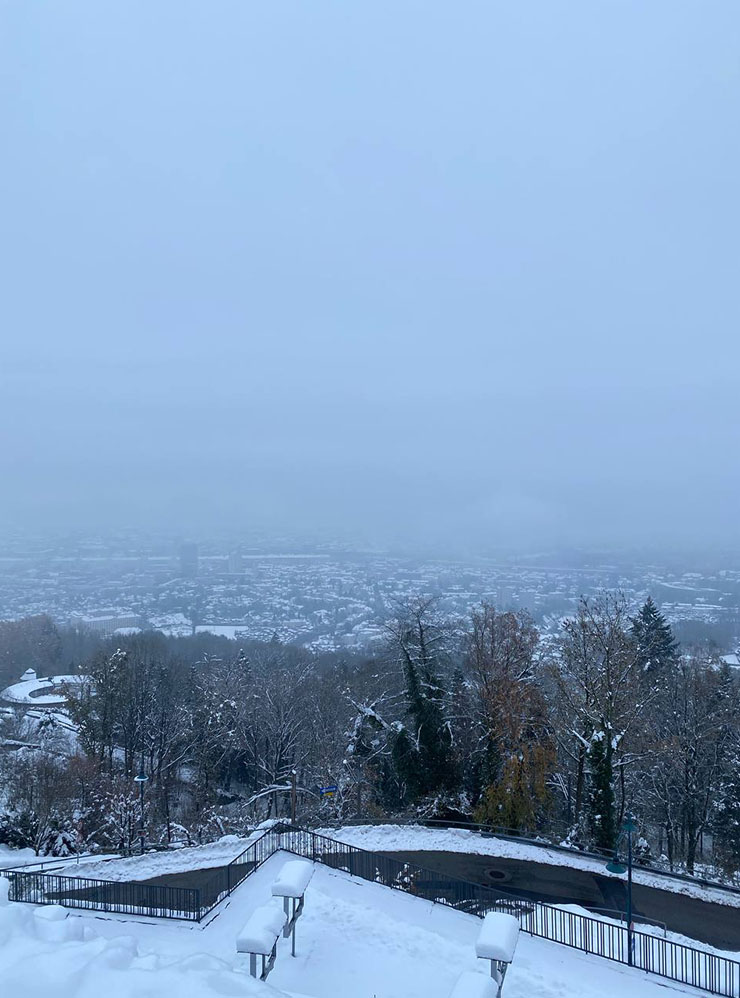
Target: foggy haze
(444, 272)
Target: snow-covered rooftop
(40, 692)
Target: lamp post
(141, 780)
(293, 802)
(616, 866)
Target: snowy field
(354, 940)
(418, 838)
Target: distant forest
(477, 720)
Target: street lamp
(141, 780)
(616, 866)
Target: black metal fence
(224, 880)
(125, 897)
(137, 898)
(654, 954)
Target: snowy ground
(28, 860)
(354, 940)
(16, 857)
(156, 864)
(413, 838)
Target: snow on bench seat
(260, 933)
(498, 937)
(473, 985)
(293, 879)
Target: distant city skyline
(331, 596)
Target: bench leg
(501, 968)
(253, 964)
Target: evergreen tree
(367, 758)
(407, 765)
(422, 750)
(601, 798)
(726, 825)
(657, 647)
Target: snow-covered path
(419, 838)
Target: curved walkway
(715, 924)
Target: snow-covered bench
(471, 984)
(291, 884)
(259, 938)
(497, 942)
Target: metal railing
(124, 897)
(617, 915)
(132, 897)
(227, 878)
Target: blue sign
(328, 791)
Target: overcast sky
(412, 269)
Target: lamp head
(615, 865)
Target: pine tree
(422, 751)
(657, 647)
(601, 798)
(726, 826)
